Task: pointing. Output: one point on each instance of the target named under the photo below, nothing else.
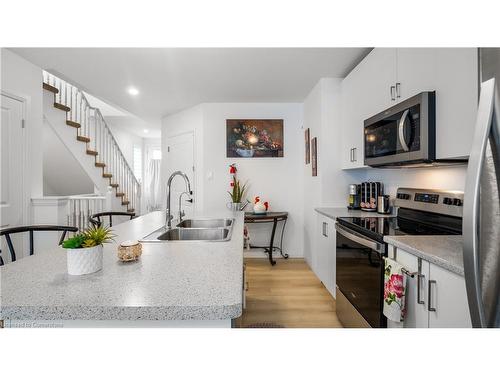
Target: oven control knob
(457, 202)
(448, 201)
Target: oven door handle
(401, 129)
(362, 240)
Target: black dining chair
(96, 219)
(31, 229)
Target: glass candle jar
(129, 251)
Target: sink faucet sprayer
(188, 191)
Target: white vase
(234, 206)
(85, 260)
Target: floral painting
(254, 138)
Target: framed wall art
(314, 156)
(254, 138)
(307, 141)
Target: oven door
(402, 134)
(360, 276)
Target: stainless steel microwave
(404, 134)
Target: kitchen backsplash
(449, 178)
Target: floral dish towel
(394, 291)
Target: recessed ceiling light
(133, 91)
(146, 131)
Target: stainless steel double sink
(202, 230)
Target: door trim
(24, 152)
(194, 183)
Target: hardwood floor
(288, 294)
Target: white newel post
(109, 199)
(52, 211)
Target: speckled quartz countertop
(444, 251)
(335, 212)
(171, 281)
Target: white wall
(449, 178)
(62, 173)
(22, 78)
(277, 180)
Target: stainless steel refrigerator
(481, 223)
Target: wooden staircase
(92, 130)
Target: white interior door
(180, 157)
(11, 162)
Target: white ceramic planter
(234, 206)
(85, 260)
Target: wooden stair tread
(92, 152)
(120, 194)
(81, 138)
(73, 124)
(62, 107)
(114, 185)
(50, 88)
(99, 165)
(107, 175)
(124, 203)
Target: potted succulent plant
(237, 195)
(84, 253)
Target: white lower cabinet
(324, 248)
(435, 297)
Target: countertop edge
(322, 211)
(121, 313)
(443, 263)
(342, 211)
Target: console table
(274, 218)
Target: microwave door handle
(401, 129)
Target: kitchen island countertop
(171, 281)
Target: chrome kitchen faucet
(188, 191)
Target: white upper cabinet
(365, 92)
(457, 95)
(388, 76)
(453, 74)
(416, 71)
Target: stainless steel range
(361, 248)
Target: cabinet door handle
(419, 277)
(393, 88)
(398, 89)
(350, 154)
(354, 158)
(429, 303)
(325, 229)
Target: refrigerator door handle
(471, 203)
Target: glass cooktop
(378, 227)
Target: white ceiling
(171, 79)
